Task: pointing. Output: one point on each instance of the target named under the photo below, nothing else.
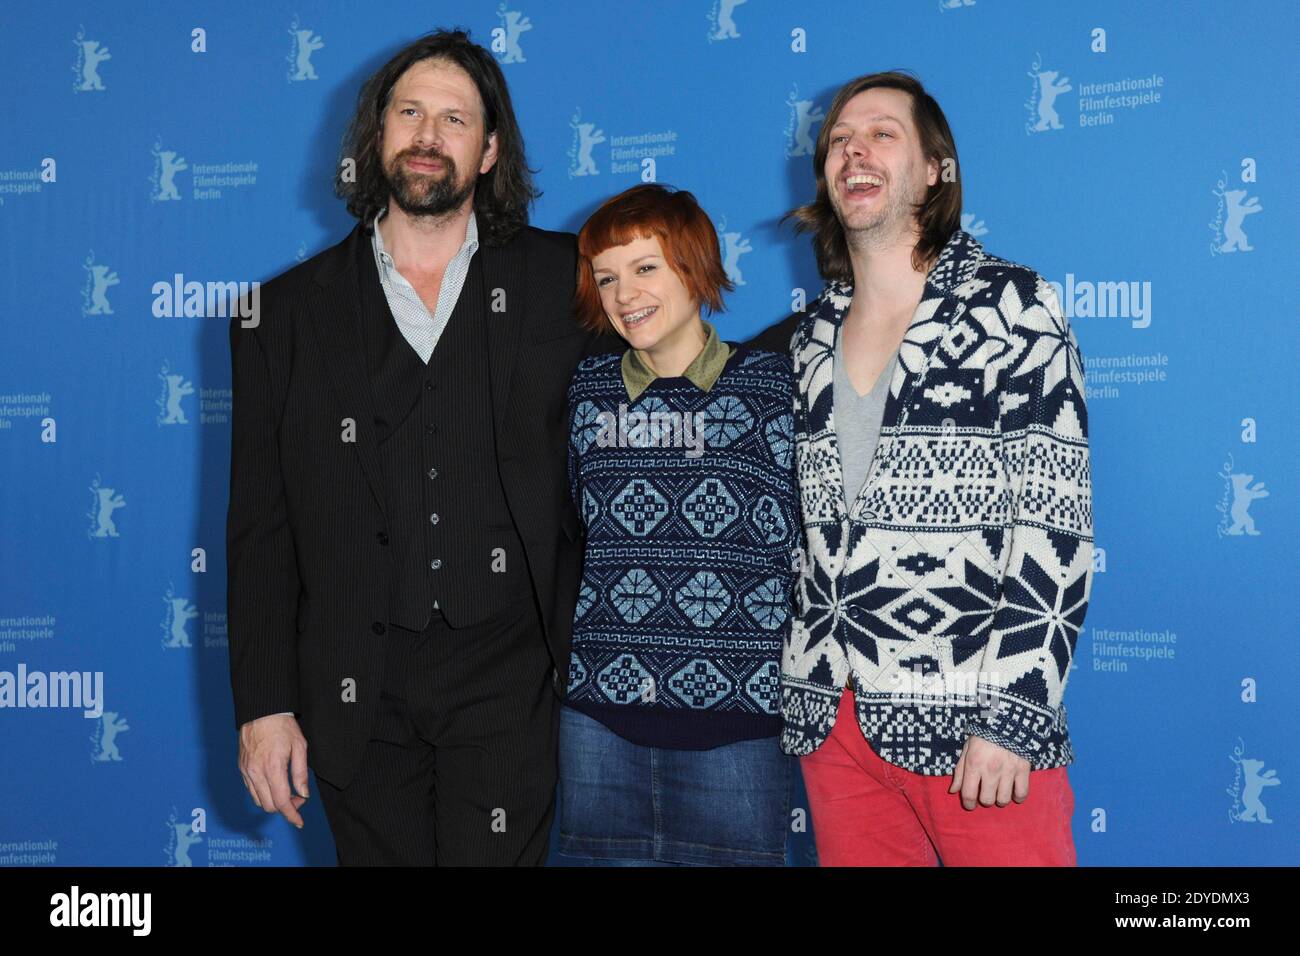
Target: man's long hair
(939, 214)
(501, 196)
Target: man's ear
(489, 154)
(932, 172)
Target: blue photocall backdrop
(1135, 154)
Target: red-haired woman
(681, 465)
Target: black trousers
(462, 765)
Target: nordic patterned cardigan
(954, 589)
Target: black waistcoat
(450, 530)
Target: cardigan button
(377, 627)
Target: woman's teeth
(636, 318)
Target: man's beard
(887, 224)
(425, 194)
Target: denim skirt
(622, 804)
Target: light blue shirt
(417, 326)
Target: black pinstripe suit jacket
(308, 570)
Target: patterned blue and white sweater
(689, 502)
(954, 588)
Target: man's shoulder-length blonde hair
(938, 216)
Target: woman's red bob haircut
(687, 237)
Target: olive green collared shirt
(702, 372)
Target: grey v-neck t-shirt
(857, 421)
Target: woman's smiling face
(642, 295)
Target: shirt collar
(702, 372)
(386, 261)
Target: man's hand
(271, 750)
(990, 774)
